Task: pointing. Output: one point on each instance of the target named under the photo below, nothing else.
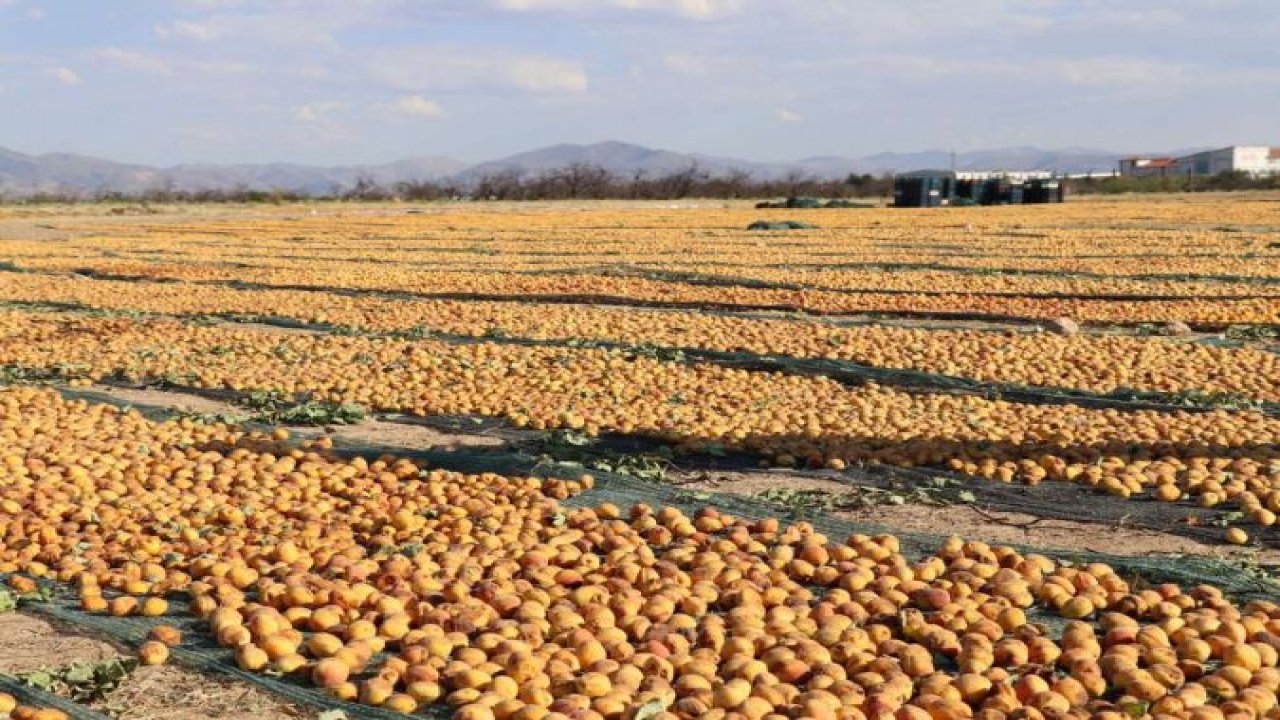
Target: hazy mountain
(626, 160)
(623, 159)
(1030, 158)
(19, 172)
(310, 178)
(1071, 160)
(24, 174)
(831, 166)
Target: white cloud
(931, 68)
(223, 67)
(469, 69)
(207, 31)
(694, 9)
(788, 116)
(523, 5)
(548, 74)
(317, 112)
(685, 64)
(212, 4)
(64, 75)
(416, 106)
(1111, 71)
(133, 60)
(169, 65)
(282, 28)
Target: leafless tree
(681, 183)
(583, 180)
(505, 184)
(424, 190)
(795, 182)
(366, 188)
(736, 183)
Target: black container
(1043, 191)
(924, 188)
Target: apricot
(251, 657)
(153, 607)
(123, 606)
(401, 703)
(330, 673)
(166, 634)
(153, 652)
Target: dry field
(633, 461)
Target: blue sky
(344, 81)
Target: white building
(1251, 159)
(1011, 175)
(1147, 166)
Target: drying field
(623, 461)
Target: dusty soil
(967, 521)
(28, 229)
(368, 432)
(406, 436)
(168, 399)
(30, 643)
(169, 692)
(977, 523)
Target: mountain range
(22, 174)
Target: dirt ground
(29, 643)
(979, 524)
(167, 692)
(371, 431)
(406, 435)
(170, 692)
(181, 402)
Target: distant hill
(25, 174)
(625, 159)
(310, 178)
(1015, 158)
(619, 158)
(20, 172)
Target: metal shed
(924, 188)
(1044, 191)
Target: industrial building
(942, 188)
(1255, 160)
(1147, 167)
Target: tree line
(1227, 181)
(582, 181)
(579, 181)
